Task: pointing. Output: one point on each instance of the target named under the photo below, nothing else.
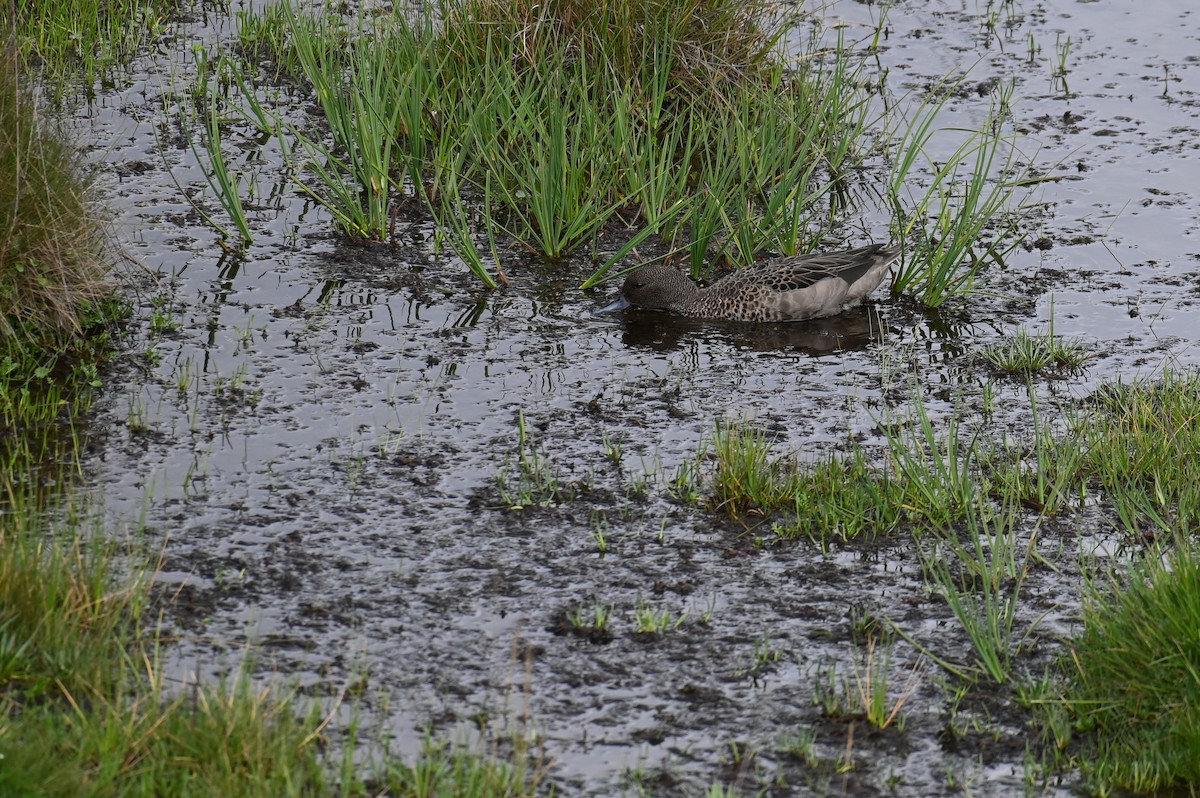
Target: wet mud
(315, 450)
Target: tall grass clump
(936, 475)
(966, 214)
(555, 121)
(747, 477)
(56, 303)
(63, 616)
(1135, 676)
(52, 267)
(85, 39)
(1142, 442)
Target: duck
(795, 288)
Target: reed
(968, 214)
(224, 182)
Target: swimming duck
(786, 289)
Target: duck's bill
(620, 304)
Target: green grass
(844, 498)
(936, 474)
(1132, 444)
(1046, 474)
(529, 479)
(64, 619)
(652, 620)
(85, 40)
(1135, 676)
(980, 574)
(929, 481)
(1026, 353)
(967, 213)
(553, 122)
(85, 710)
(1142, 439)
(57, 305)
(747, 479)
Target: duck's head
(654, 287)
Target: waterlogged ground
(312, 436)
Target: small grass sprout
(650, 620)
(763, 660)
(531, 481)
(600, 532)
(1058, 69)
(802, 745)
(591, 621)
(870, 685)
(1028, 353)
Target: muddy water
(315, 449)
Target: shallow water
(315, 450)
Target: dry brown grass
(710, 42)
(52, 246)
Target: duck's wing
(823, 285)
(864, 264)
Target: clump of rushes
(968, 214)
(717, 42)
(1135, 677)
(550, 120)
(747, 479)
(1027, 353)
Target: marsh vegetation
(970, 549)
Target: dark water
(315, 450)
